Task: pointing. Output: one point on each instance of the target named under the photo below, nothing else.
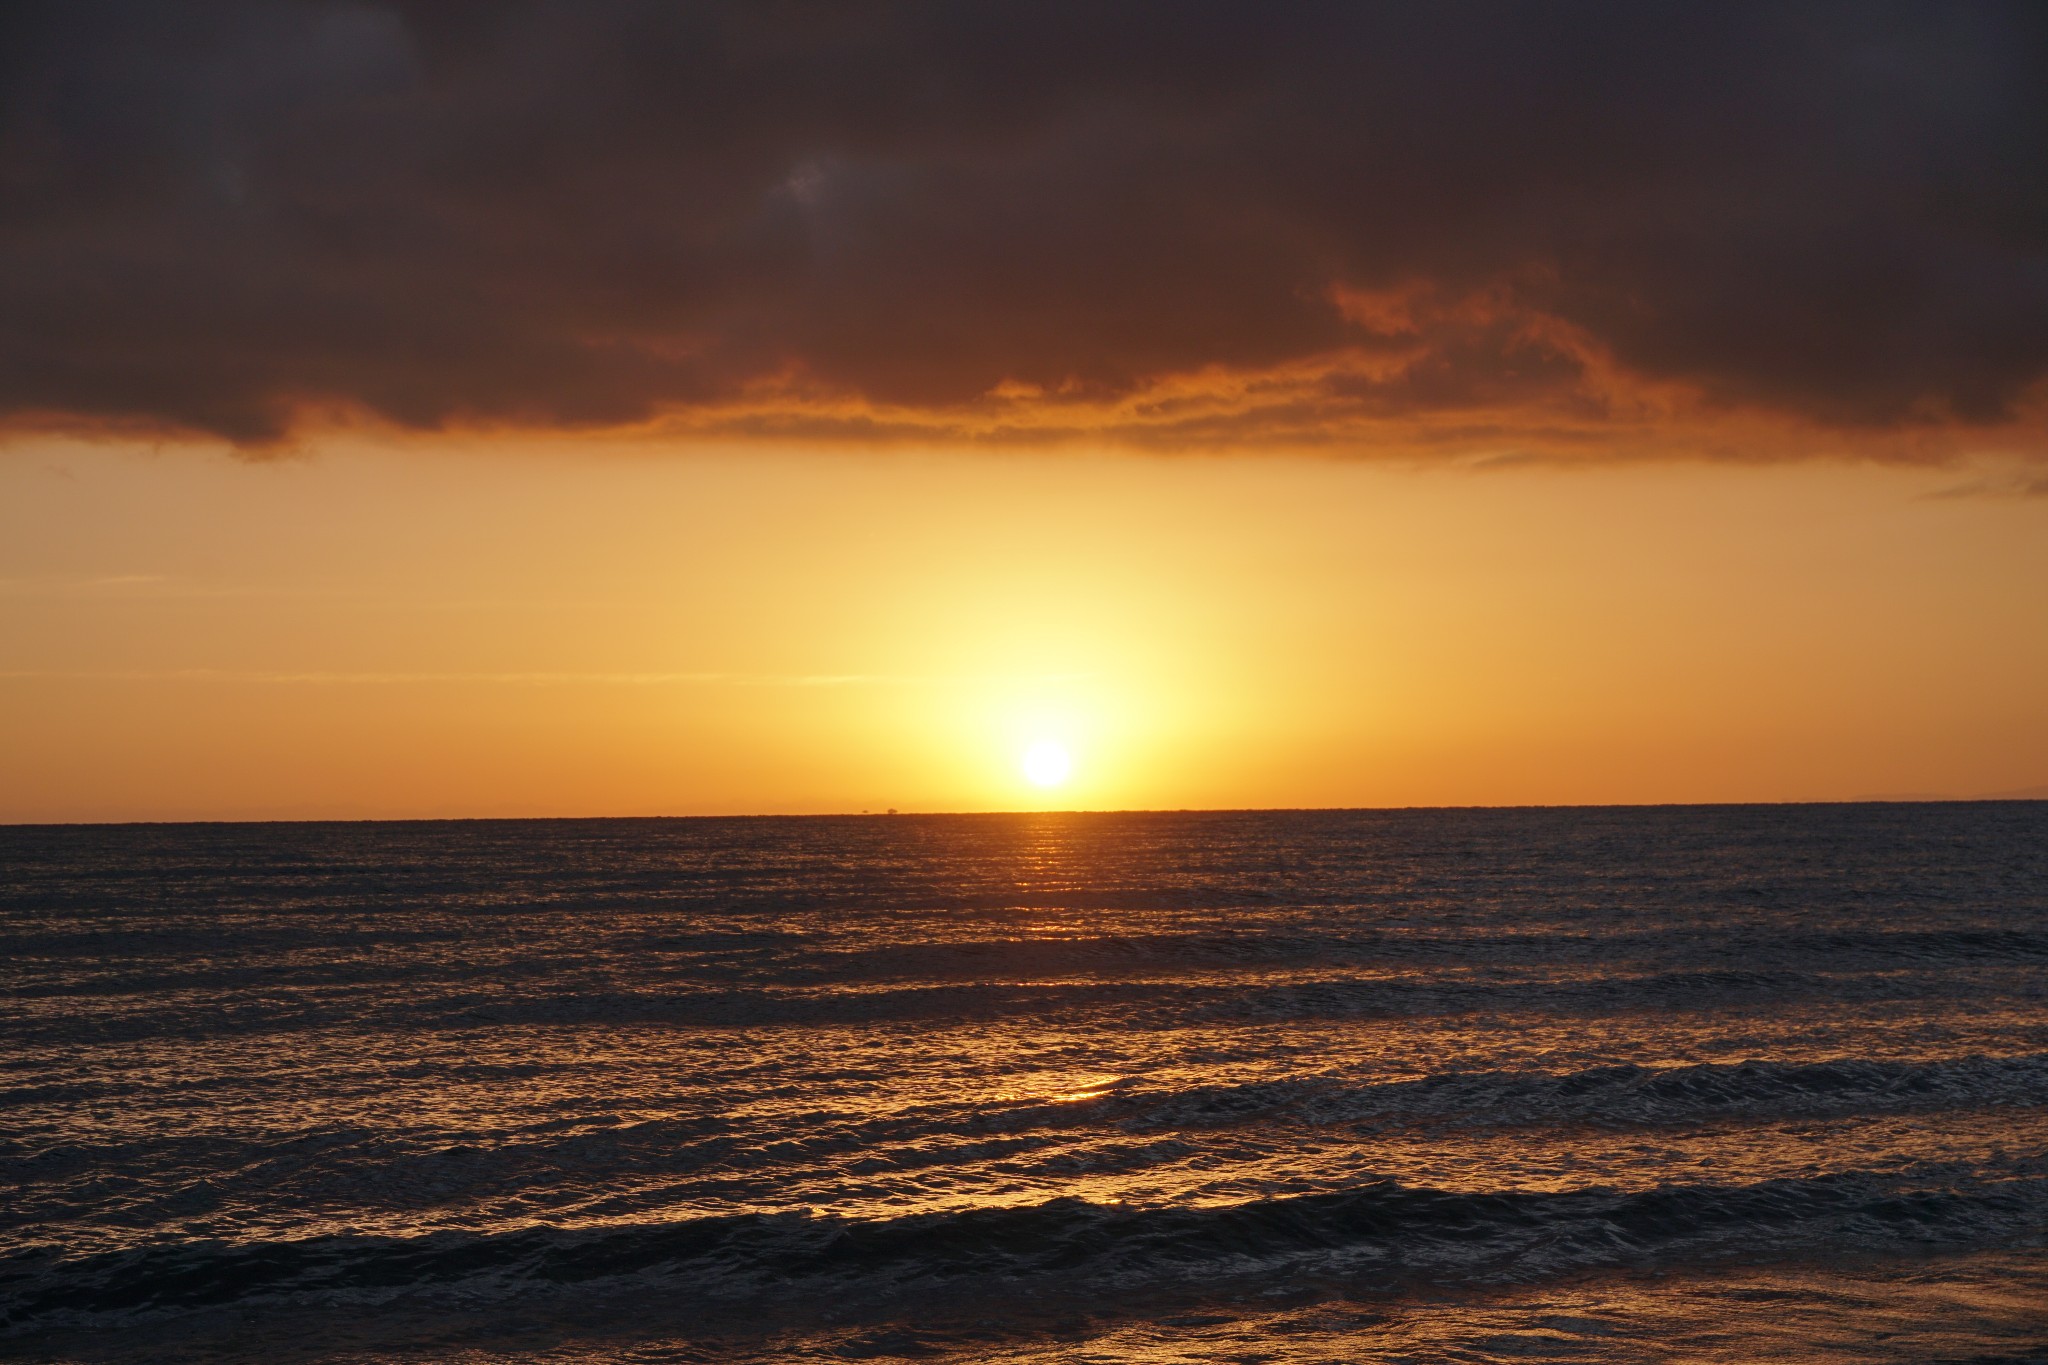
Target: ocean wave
(1128, 1002)
(386, 1168)
(393, 956)
(1608, 1096)
(1380, 1235)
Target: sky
(619, 408)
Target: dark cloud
(1173, 221)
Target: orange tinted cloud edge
(1286, 411)
(1479, 377)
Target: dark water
(1607, 1085)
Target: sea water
(1713, 1083)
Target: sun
(1047, 764)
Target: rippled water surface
(1730, 1083)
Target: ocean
(1725, 1083)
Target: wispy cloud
(151, 585)
(168, 587)
(320, 677)
(2023, 484)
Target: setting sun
(1047, 764)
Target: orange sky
(473, 627)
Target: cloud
(2015, 481)
(325, 678)
(1491, 227)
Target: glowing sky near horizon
(375, 631)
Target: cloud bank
(1461, 227)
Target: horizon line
(2025, 796)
